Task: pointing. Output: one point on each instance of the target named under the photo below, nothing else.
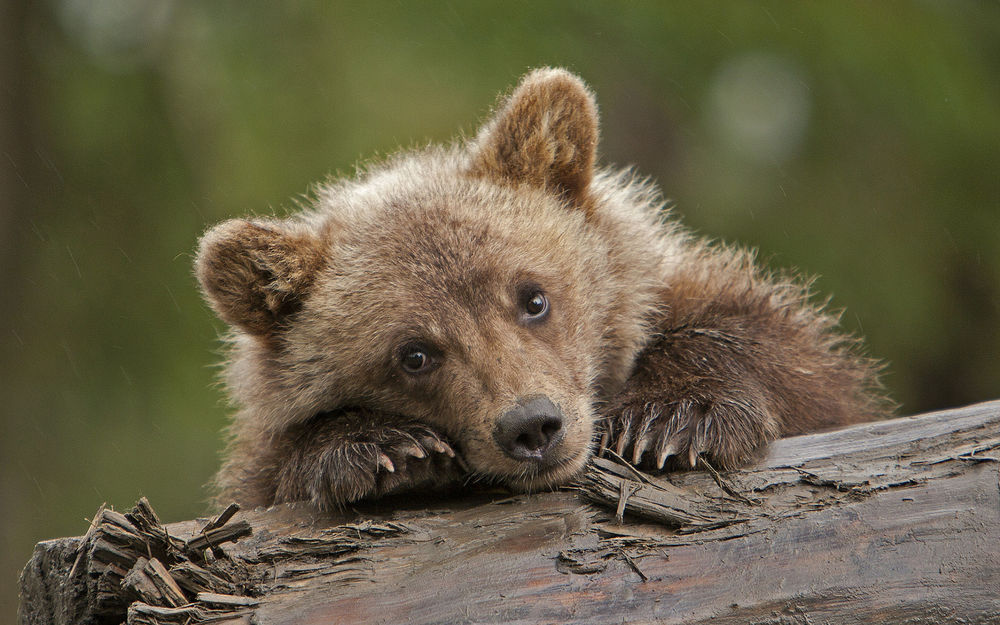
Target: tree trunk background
(895, 521)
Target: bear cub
(500, 310)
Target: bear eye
(536, 305)
(416, 359)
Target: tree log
(894, 521)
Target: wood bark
(895, 521)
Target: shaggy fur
(498, 309)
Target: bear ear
(545, 135)
(256, 273)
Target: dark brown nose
(530, 429)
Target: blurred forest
(859, 142)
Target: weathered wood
(214, 537)
(897, 521)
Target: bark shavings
(136, 571)
(610, 483)
(131, 569)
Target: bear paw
(674, 434)
(408, 458)
(333, 465)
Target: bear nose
(530, 429)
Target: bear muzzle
(531, 430)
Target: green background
(855, 141)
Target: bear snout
(530, 430)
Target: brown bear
(499, 310)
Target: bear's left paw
(411, 457)
(357, 454)
(674, 433)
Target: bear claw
(385, 462)
(415, 450)
(437, 445)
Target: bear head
(482, 289)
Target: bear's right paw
(674, 434)
(342, 465)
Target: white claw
(435, 444)
(416, 451)
(385, 462)
(640, 449)
(622, 443)
(665, 452)
(692, 456)
(603, 444)
(445, 448)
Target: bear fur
(499, 310)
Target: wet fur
(659, 344)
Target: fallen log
(895, 521)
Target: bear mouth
(535, 477)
